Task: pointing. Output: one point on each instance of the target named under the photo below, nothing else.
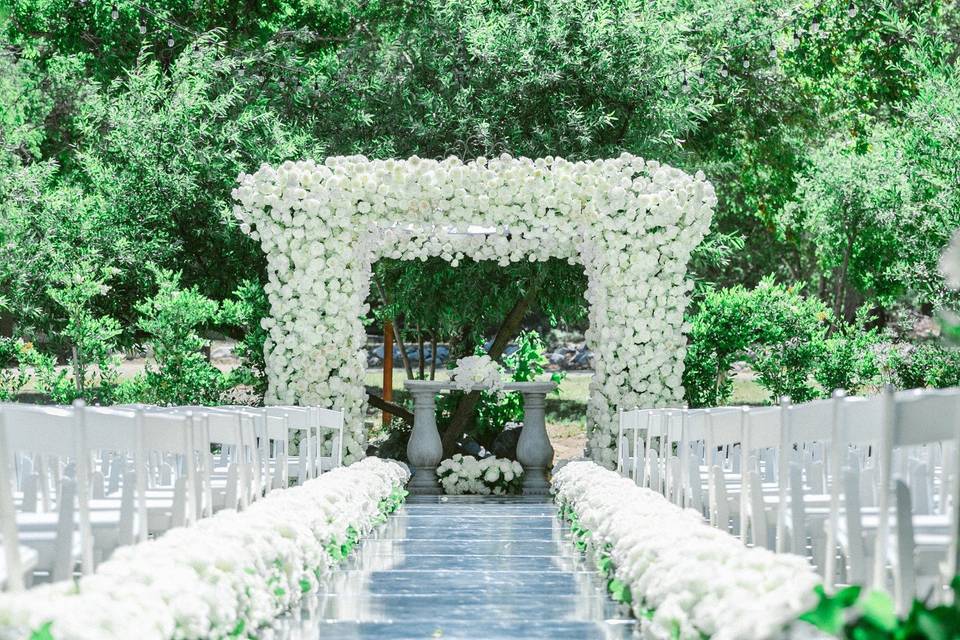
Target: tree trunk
(6, 325)
(397, 332)
(433, 355)
(420, 363)
(509, 329)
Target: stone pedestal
(534, 451)
(425, 450)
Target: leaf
(619, 591)
(828, 614)
(43, 633)
(879, 609)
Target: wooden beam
(387, 369)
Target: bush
(14, 374)
(172, 318)
(775, 328)
(245, 311)
(850, 358)
(91, 339)
(928, 364)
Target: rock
(470, 447)
(221, 353)
(505, 444)
(583, 359)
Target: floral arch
(631, 222)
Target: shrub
(928, 364)
(850, 358)
(245, 311)
(91, 338)
(14, 374)
(773, 326)
(172, 319)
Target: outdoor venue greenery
(835, 163)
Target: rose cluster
(477, 372)
(687, 580)
(630, 222)
(224, 577)
(461, 475)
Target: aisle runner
(465, 569)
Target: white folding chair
(630, 458)
(331, 420)
(914, 419)
(60, 433)
(18, 561)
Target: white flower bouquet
(477, 371)
(462, 475)
(227, 576)
(683, 578)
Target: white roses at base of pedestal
(477, 372)
(463, 475)
(687, 580)
(226, 576)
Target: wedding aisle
(469, 568)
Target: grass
(567, 411)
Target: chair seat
(44, 543)
(28, 562)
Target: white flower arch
(632, 223)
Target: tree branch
(390, 407)
(508, 330)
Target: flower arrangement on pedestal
(462, 475)
(477, 371)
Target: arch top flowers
(631, 222)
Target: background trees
(123, 127)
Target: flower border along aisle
(225, 577)
(682, 578)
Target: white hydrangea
(630, 222)
(699, 581)
(225, 576)
(462, 474)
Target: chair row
(76, 482)
(813, 479)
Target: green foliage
(877, 211)
(493, 412)
(90, 338)
(14, 372)
(927, 364)
(244, 311)
(172, 319)
(464, 304)
(855, 614)
(771, 326)
(850, 358)
(835, 163)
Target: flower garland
(227, 576)
(631, 223)
(477, 371)
(461, 475)
(683, 578)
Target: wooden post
(387, 368)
